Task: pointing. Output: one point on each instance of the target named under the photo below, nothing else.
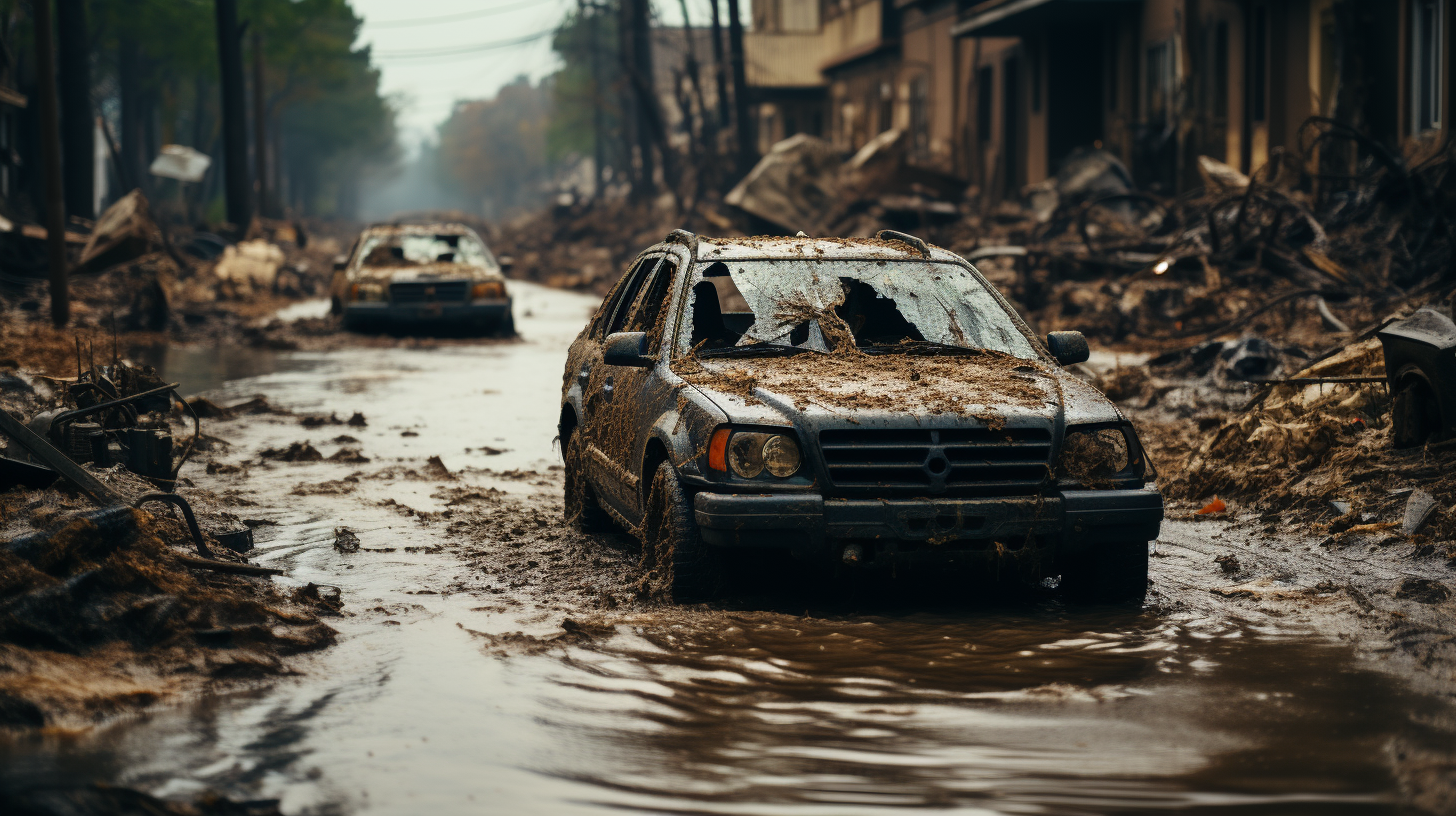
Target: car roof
(420, 229)
(801, 248)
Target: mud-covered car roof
(710, 249)
(419, 229)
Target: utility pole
(234, 114)
(747, 150)
(78, 124)
(260, 126)
(593, 33)
(50, 153)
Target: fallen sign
(182, 163)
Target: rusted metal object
(1420, 366)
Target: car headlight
(1101, 456)
(368, 291)
(488, 289)
(749, 453)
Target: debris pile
(102, 611)
(132, 277)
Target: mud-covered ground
(488, 657)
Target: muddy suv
(870, 403)
(421, 276)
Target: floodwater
(1027, 708)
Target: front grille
(452, 291)
(960, 461)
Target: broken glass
(808, 303)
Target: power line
(450, 18)
(460, 51)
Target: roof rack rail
(907, 238)
(687, 239)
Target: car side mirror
(507, 263)
(628, 349)
(340, 262)
(1068, 347)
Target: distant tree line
(650, 122)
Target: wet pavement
(1014, 707)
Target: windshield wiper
(757, 349)
(919, 347)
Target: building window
(1259, 66)
(1159, 83)
(1112, 69)
(799, 15)
(887, 107)
(1426, 44)
(984, 89)
(920, 117)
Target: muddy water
(1027, 708)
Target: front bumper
(1073, 519)
(489, 311)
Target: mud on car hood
(991, 389)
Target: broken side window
(651, 304)
(882, 303)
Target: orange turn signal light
(718, 450)
(488, 289)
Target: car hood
(991, 390)
(427, 272)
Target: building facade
(1000, 92)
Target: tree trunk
(78, 123)
(747, 150)
(260, 129)
(234, 116)
(629, 118)
(50, 152)
(593, 33)
(640, 70)
(720, 79)
(129, 77)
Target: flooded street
(470, 679)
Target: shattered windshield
(774, 304)
(418, 250)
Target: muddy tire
(1414, 415)
(1108, 574)
(673, 549)
(581, 508)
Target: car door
(630, 398)
(597, 381)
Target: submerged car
(421, 276)
(870, 403)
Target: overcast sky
(434, 52)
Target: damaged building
(1001, 92)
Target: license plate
(432, 310)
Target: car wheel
(507, 327)
(336, 307)
(672, 547)
(1110, 574)
(581, 508)
(1414, 415)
